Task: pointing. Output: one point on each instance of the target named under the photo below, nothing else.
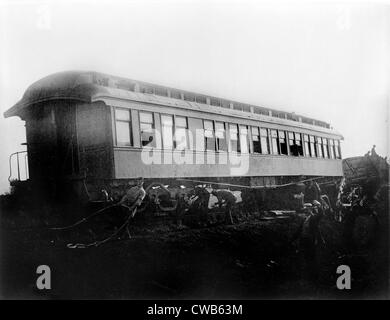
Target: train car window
(122, 114)
(337, 149)
(102, 81)
(275, 142)
(313, 151)
(326, 149)
(264, 141)
(181, 133)
(246, 108)
(320, 148)
(244, 139)
(292, 144)
(292, 116)
(234, 141)
(123, 127)
(209, 135)
(175, 94)
(146, 117)
(201, 99)
(256, 140)
(196, 134)
(189, 97)
(298, 142)
(225, 104)
(181, 122)
(146, 89)
(167, 131)
(147, 129)
(123, 136)
(331, 149)
(259, 110)
(220, 136)
(161, 92)
(125, 85)
(307, 145)
(238, 106)
(307, 120)
(215, 102)
(282, 142)
(277, 114)
(325, 145)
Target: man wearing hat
(309, 240)
(134, 196)
(229, 199)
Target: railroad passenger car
(93, 131)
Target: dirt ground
(252, 259)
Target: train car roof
(88, 86)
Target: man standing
(134, 196)
(310, 238)
(132, 200)
(373, 152)
(227, 198)
(312, 191)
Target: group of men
(134, 196)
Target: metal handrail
(18, 165)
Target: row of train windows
(212, 136)
(188, 96)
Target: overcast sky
(325, 60)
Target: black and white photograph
(198, 150)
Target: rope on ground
(86, 189)
(249, 187)
(84, 219)
(98, 243)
